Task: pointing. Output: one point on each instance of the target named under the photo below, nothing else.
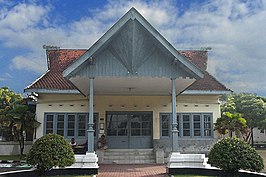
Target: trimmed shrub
(233, 154)
(50, 151)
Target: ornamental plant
(50, 151)
(233, 154)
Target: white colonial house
(132, 86)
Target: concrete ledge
(12, 161)
(53, 172)
(90, 160)
(178, 160)
(209, 172)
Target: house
(134, 87)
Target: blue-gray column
(174, 118)
(90, 130)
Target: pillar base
(178, 160)
(90, 160)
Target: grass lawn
(72, 176)
(90, 176)
(191, 176)
(12, 157)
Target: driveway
(144, 170)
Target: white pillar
(90, 130)
(174, 118)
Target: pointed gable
(129, 44)
(131, 49)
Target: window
(60, 124)
(165, 124)
(68, 124)
(186, 125)
(207, 125)
(196, 125)
(71, 125)
(81, 124)
(49, 123)
(189, 125)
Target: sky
(234, 29)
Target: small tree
(230, 123)
(8, 99)
(23, 120)
(50, 151)
(233, 154)
(16, 116)
(252, 108)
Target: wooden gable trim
(131, 14)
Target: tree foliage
(252, 108)
(16, 116)
(8, 100)
(50, 151)
(233, 154)
(231, 122)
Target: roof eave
(29, 86)
(206, 92)
(40, 90)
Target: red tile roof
(208, 82)
(197, 57)
(59, 60)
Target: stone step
(129, 161)
(126, 156)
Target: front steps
(126, 156)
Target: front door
(129, 130)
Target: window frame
(76, 123)
(191, 124)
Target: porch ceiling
(130, 85)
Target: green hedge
(50, 151)
(233, 154)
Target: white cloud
(22, 16)
(6, 76)
(237, 36)
(234, 29)
(29, 62)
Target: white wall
(259, 137)
(12, 148)
(157, 104)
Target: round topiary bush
(233, 154)
(50, 151)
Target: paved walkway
(144, 170)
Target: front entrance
(129, 130)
